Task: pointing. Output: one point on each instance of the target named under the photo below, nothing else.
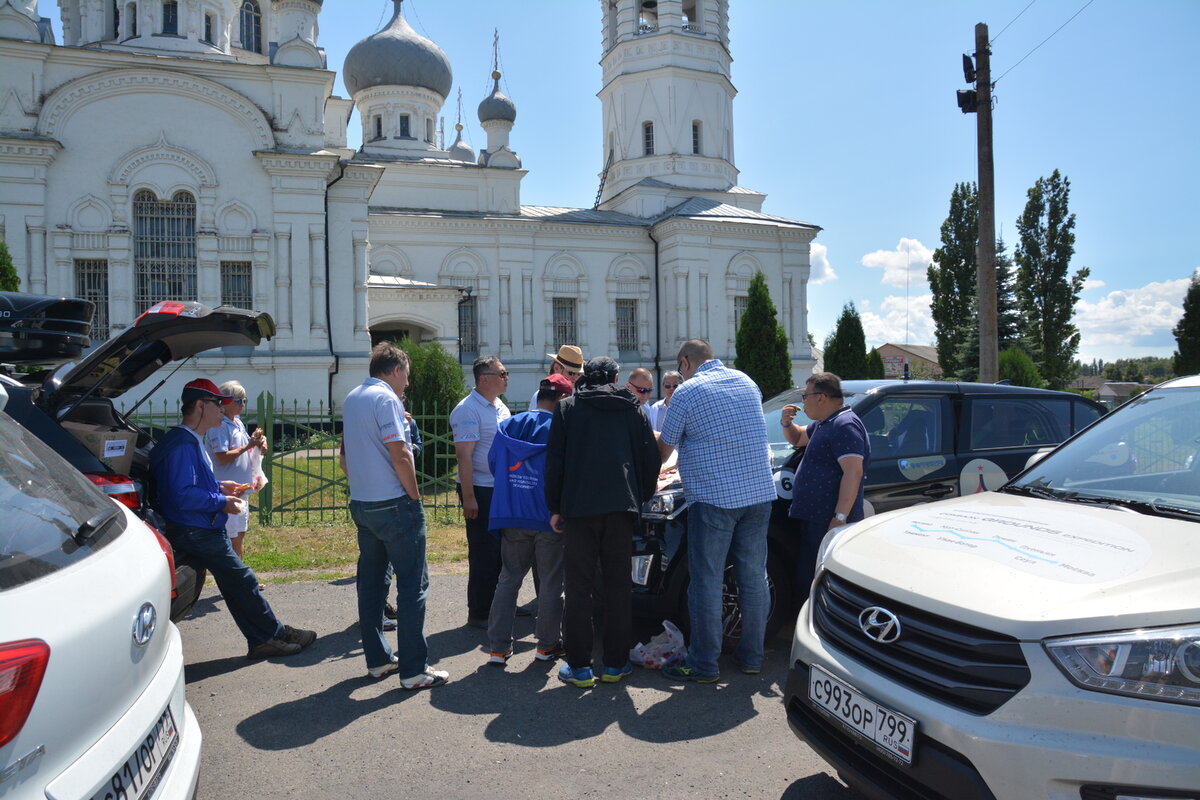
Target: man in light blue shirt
(715, 420)
(385, 504)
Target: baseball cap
(203, 388)
(559, 383)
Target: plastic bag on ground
(663, 650)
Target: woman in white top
(670, 383)
(231, 449)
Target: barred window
(627, 325)
(236, 288)
(647, 138)
(566, 331)
(404, 127)
(170, 19)
(209, 24)
(696, 138)
(91, 283)
(164, 249)
(468, 330)
(251, 26)
(740, 303)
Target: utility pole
(985, 249)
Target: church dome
(460, 150)
(496, 105)
(397, 56)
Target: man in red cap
(196, 507)
(520, 518)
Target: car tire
(779, 584)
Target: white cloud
(822, 270)
(904, 266)
(1123, 314)
(1093, 283)
(893, 320)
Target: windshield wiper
(94, 524)
(1039, 490)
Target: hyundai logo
(879, 624)
(144, 624)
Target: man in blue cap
(196, 508)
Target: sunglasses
(498, 374)
(640, 390)
(807, 395)
(670, 385)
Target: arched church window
(170, 17)
(405, 127)
(564, 321)
(210, 24)
(647, 138)
(696, 137)
(468, 329)
(251, 28)
(429, 130)
(378, 120)
(164, 249)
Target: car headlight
(1157, 664)
(665, 505)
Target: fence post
(266, 423)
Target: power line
(1014, 19)
(1048, 38)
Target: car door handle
(938, 491)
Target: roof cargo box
(40, 330)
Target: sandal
(425, 680)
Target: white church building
(193, 149)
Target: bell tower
(667, 104)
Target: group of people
(556, 489)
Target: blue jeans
(210, 548)
(392, 532)
(714, 536)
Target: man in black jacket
(602, 463)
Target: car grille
(969, 668)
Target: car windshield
(53, 515)
(773, 412)
(1144, 456)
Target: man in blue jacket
(521, 518)
(196, 507)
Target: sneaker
(689, 674)
(582, 677)
(386, 669)
(425, 680)
(272, 648)
(298, 636)
(614, 674)
(499, 658)
(749, 670)
(389, 610)
(550, 653)
(389, 624)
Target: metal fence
(305, 484)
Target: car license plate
(138, 777)
(890, 730)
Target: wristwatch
(840, 517)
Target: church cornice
(432, 224)
(30, 149)
(754, 230)
(281, 162)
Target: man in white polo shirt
(474, 422)
(385, 504)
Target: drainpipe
(328, 275)
(657, 316)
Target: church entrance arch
(396, 330)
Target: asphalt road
(315, 726)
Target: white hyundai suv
(1040, 641)
(92, 700)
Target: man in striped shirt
(715, 420)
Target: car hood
(1028, 567)
(168, 331)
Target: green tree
(9, 281)
(1018, 368)
(1047, 296)
(952, 278)
(1008, 319)
(1187, 331)
(846, 347)
(435, 384)
(874, 364)
(762, 345)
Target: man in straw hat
(568, 361)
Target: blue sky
(846, 118)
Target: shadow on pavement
(344, 644)
(821, 786)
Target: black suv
(929, 440)
(70, 406)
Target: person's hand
(556, 523)
(407, 417)
(229, 488)
(834, 523)
(234, 505)
(788, 414)
(470, 507)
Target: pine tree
(1008, 319)
(762, 345)
(874, 364)
(1018, 368)
(1047, 296)
(846, 347)
(1187, 331)
(952, 278)
(9, 281)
